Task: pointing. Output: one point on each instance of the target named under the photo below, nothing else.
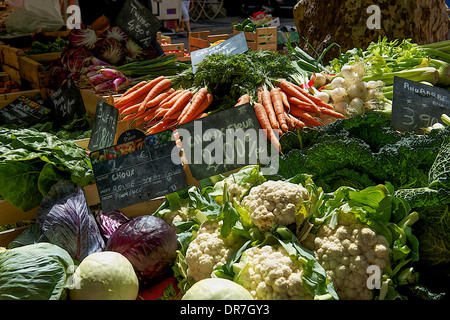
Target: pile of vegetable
(31, 162)
(87, 53)
(275, 237)
(157, 106)
(115, 256)
(384, 59)
(39, 47)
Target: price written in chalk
(416, 106)
(139, 23)
(68, 102)
(104, 128)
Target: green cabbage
(34, 272)
(217, 289)
(105, 275)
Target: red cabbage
(66, 221)
(148, 242)
(109, 222)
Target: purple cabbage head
(109, 222)
(66, 221)
(148, 242)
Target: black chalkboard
(104, 128)
(234, 45)
(138, 23)
(416, 105)
(68, 102)
(137, 171)
(130, 135)
(223, 141)
(22, 112)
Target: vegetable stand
(352, 195)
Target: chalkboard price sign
(224, 141)
(68, 102)
(137, 171)
(416, 105)
(233, 46)
(22, 112)
(139, 23)
(104, 128)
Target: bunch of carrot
(157, 106)
(287, 106)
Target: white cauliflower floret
(346, 252)
(274, 202)
(208, 250)
(235, 190)
(180, 215)
(268, 273)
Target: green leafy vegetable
(30, 161)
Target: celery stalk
(428, 74)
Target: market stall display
(357, 209)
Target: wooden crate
(176, 49)
(203, 39)
(7, 98)
(27, 69)
(261, 39)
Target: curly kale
(361, 151)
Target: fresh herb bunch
(229, 77)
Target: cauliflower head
(208, 250)
(275, 202)
(346, 252)
(269, 273)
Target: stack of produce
(109, 62)
(157, 106)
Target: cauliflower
(208, 250)
(275, 202)
(269, 273)
(346, 252)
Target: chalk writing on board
(104, 128)
(416, 106)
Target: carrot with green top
(264, 121)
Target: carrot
(245, 98)
(296, 109)
(196, 101)
(179, 104)
(135, 95)
(159, 127)
(260, 89)
(159, 85)
(291, 90)
(170, 96)
(296, 123)
(172, 116)
(130, 117)
(131, 109)
(201, 115)
(132, 89)
(160, 97)
(307, 118)
(172, 100)
(264, 121)
(284, 99)
(278, 107)
(192, 115)
(332, 113)
(267, 103)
